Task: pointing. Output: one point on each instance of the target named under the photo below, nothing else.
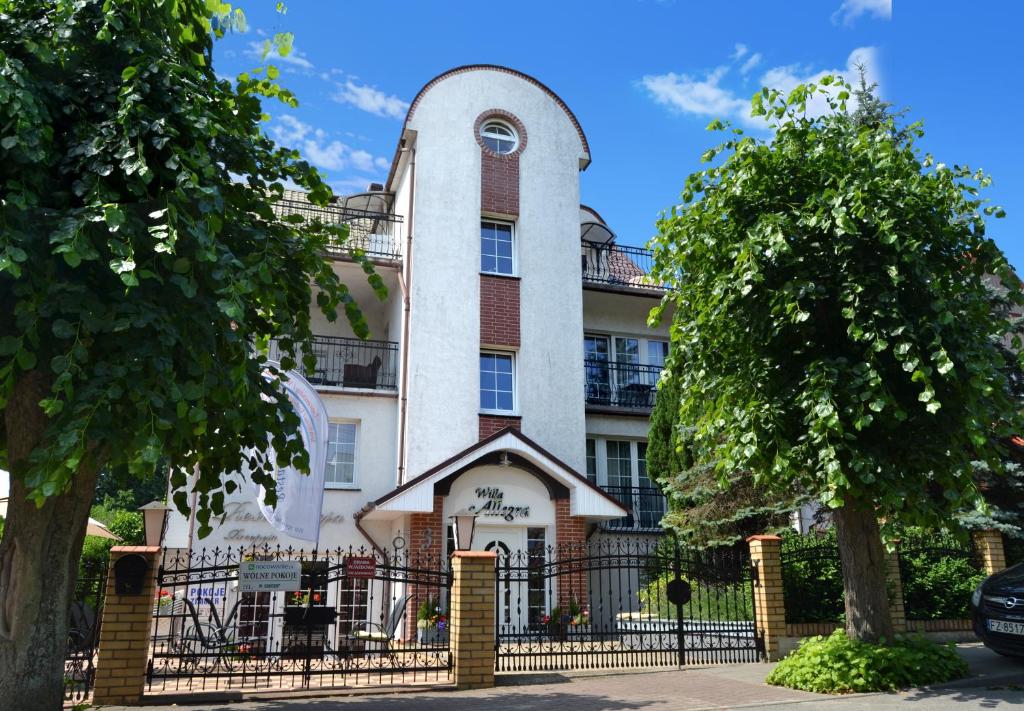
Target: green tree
(832, 330)
(142, 271)
(698, 512)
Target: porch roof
(417, 495)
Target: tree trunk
(864, 573)
(38, 563)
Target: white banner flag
(300, 497)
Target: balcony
(607, 265)
(646, 506)
(629, 386)
(350, 363)
(371, 228)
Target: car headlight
(976, 596)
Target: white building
(512, 369)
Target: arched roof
(497, 68)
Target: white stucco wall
(608, 312)
(375, 475)
(444, 343)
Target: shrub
(725, 601)
(838, 665)
(938, 589)
(812, 577)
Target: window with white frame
(340, 471)
(499, 137)
(496, 248)
(620, 467)
(497, 382)
(622, 371)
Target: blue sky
(645, 77)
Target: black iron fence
(358, 617)
(84, 633)
(812, 577)
(350, 363)
(376, 234)
(939, 571)
(623, 602)
(621, 385)
(646, 506)
(610, 264)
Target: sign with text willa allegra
(269, 575)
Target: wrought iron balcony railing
(376, 234)
(625, 385)
(350, 363)
(610, 264)
(646, 506)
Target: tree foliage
(832, 332)
(142, 268)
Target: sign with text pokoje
(269, 575)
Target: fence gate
(361, 617)
(623, 602)
(84, 632)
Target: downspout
(357, 518)
(406, 280)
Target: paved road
(997, 684)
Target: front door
(511, 603)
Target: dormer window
(499, 137)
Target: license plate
(1006, 627)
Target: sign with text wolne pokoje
(269, 575)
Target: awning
(417, 495)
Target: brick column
(570, 551)
(428, 539)
(472, 618)
(769, 607)
(124, 634)
(990, 547)
(897, 612)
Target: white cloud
(371, 100)
(689, 95)
(787, 78)
(740, 50)
(319, 149)
(294, 58)
(752, 61)
(850, 10)
(708, 97)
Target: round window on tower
(499, 137)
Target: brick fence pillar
(897, 611)
(769, 606)
(472, 618)
(124, 633)
(990, 547)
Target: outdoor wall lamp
(463, 522)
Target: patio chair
(362, 376)
(381, 634)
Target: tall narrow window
(341, 455)
(620, 464)
(497, 385)
(496, 248)
(592, 460)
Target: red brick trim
(763, 538)
(474, 554)
(507, 116)
(499, 311)
(491, 424)
(571, 540)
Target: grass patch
(839, 665)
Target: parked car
(998, 605)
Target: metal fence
(350, 363)
(624, 385)
(939, 571)
(610, 264)
(376, 234)
(360, 617)
(646, 506)
(812, 577)
(623, 602)
(84, 632)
